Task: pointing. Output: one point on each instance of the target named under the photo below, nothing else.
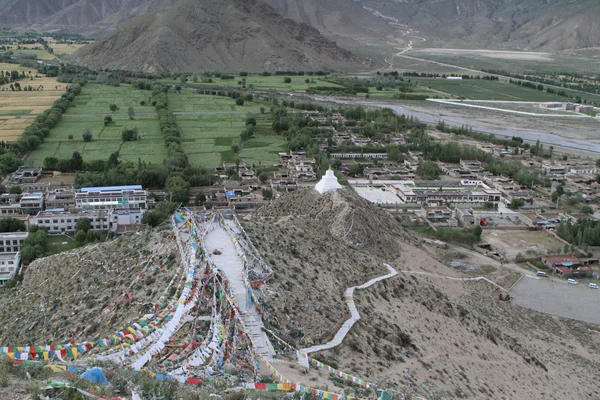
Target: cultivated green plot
(96, 99)
(298, 83)
(90, 107)
(190, 102)
(480, 89)
(263, 150)
(207, 138)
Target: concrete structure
(439, 216)
(328, 183)
(584, 109)
(58, 221)
(9, 266)
(32, 203)
(414, 195)
(360, 155)
(110, 197)
(60, 199)
(12, 242)
(26, 175)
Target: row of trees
(34, 135)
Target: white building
(360, 155)
(58, 221)
(12, 242)
(124, 218)
(112, 197)
(9, 266)
(32, 203)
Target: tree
(307, 81)
(80, 237)
(113, 160)
(113, 107)
(239, 101)
(428, 170)
(129, 134)
(15, 189)
(585, 209)
(178, 189)
(235, 148)
(262, 110)
(200, 198)
(131, 113)
(83, 224)
(142, 103)
(264, 177)
(287, 80)
(516, 204)
(76, 162)
(12, 225)
(250, 120)
(87, 135)
(107, 120)
(267, 194)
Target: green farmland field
(209, 125)
(88, 111)
(298, 83)
(480, 89)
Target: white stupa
(328, 182)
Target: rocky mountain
(341, 20)
(91, 17)
(527, 24)
(225, 35)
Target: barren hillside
(96, 290)
(231, 35)
(340, 20)
(528, 24)
(450, 339)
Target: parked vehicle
(543, 274)
(593, 286)
(571, 281)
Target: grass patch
(59, 243)
(222, 141)
(480, 89)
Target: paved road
(558, 298)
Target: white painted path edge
(355, 316)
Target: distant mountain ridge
(224, 35)
(527, 24)
(91, 17)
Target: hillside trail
(354, 314)
(232, 265)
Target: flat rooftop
(110, 188)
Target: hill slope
(230, 35)
(530, 24)
(456, 339)
(341, 20)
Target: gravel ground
(558, 298)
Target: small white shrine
(328, 182)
